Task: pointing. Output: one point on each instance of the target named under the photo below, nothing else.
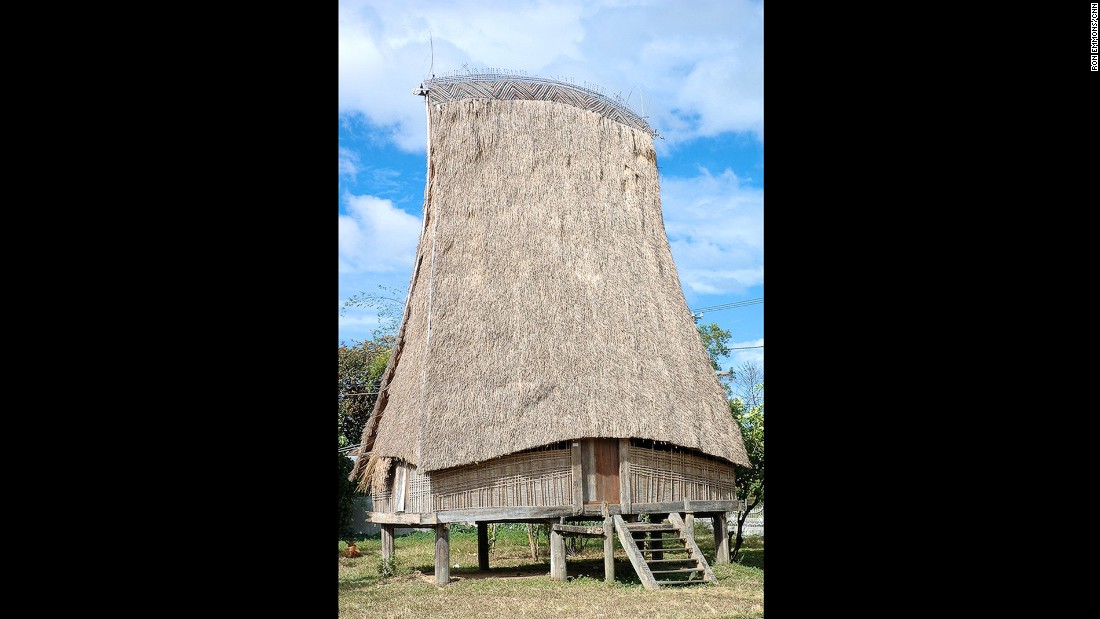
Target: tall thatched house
(547, 366)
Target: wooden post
(721, 539)
(387, 542)
(578, 480)
(608, 545)
(557, 555)
(483, 546)
(625, 490)
(442, 554)
(689, 520)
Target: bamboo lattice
(539, 478)
(664, 476)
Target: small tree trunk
(533, 542)
(741, 523)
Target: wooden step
(683, 571)
(672, 549)
(685, 560)
(644, 527)
(708, 575)
(678, 582)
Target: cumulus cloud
(715, 226)
(376, 236)
(698, 72)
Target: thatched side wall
(668, 476)
(545, 305)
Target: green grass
(516, 586)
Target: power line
(715, 308)
(746, 347)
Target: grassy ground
(517, 586)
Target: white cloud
(715, 226)
(376, 236)
(349, 163)
(749, 355)
(699, 68)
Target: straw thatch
(544, 304)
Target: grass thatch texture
(545, 304)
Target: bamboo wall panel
(542, 478)
(662, 476)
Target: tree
(345, 494)
(388, 306)
(360, 370)
(360, 376)
(715, 340)
(750, 481)
(747, 382)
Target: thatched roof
(544, 304)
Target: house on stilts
(547, 368)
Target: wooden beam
(521, 514)
(625, 490)
(503, 514)
(578, 479)
(635, 528)
(557, 555)
(570, 529)
(384, 518)
(608, 547)
(721, 539)
(387, 542)
(678, 506)
(442, 554)
(482, 546)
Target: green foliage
(346, 492)
(387, 567)
(716, 340)
(360, 375)
(389, 307)
(750, 481)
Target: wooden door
(601, 464)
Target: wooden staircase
(678, 563)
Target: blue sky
(695, 69)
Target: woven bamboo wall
(663, 476)
(544, 478)
(418, 492)
(382, 502)
(539, 478)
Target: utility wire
(715, 308)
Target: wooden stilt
(442, 554)
(608, 546)
(557, 555)
(721, 539)
(387, 542)
(689, 520)
(483, 546)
